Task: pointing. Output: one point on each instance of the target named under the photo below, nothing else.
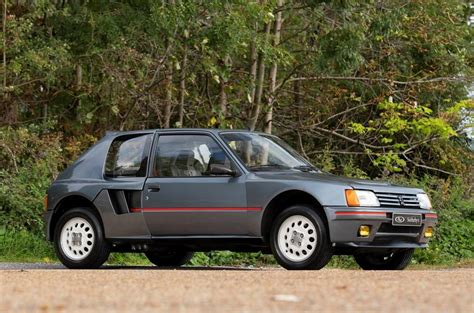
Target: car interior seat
(184, 164)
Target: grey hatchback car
(171, 192)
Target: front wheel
(79, 240)
(169, 257)
(299, 239)
(398, 260)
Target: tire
(79, 240)
(299, 239)
(169, 258)
(389, 261)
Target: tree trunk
(169, 96)
(78, 77)
(223, 81)
(253, 75)
(222, 101)
(273, 71)
(78, 86)
(259, 86)
(298, 101)
(182, 87)
(169, 84)
(4, 53)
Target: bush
(32, 160)
(453, 200)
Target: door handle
(153, 188)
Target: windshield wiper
(306, 168)
(264, 166)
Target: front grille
(398, 200)
(389, 228)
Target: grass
(28, 247)
(463, 263)
(25, 247)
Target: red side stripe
(361, 213)
(431, 215)
(230, 209)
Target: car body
(149, 191)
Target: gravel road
(51, 288)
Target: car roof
(184, 130)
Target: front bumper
(344, 224)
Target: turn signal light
(429, 231)
(364, 231)
(351, 198)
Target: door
(125, 175)
(182, 197)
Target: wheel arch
(284, 200)
(65, 204)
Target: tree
(359, 81)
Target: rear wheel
(169, 257)
(79, 239)
(385, 261)
(299, 239)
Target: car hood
(377, 186)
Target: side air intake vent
(119, 201)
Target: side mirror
(221, 170)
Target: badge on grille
(402, 202)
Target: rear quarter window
(128, 156)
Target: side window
(187, 155)
(128, 156)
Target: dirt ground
(147, 289)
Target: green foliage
(398, 121)
(31, 158)
(31, 162)
(24, 246)
(453, 200)
(341, 50)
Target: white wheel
(77, 238)
(297, 238)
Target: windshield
(261, 152)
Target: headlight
(424, 201)
(361, 198)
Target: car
(168, 193)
